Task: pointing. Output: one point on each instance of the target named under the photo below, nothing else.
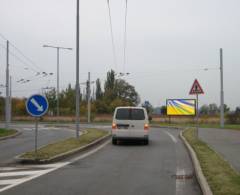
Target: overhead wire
(125, 38)
(112, 37)
(31, 62)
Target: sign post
(36, 106)
(196, 90)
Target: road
(25, 142)
(126, 169)
(225, 142)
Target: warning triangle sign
(196, 88)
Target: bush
(233, 118)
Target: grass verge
(222, 178)
(226, 126)
(66, 145)
(7, 132)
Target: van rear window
(130, 114)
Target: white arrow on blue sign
(37, 105)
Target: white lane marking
(16, 182)
(10, 168)
(9, 181)
(19, 173)
(90, 152)
(53, 167)
(171, 136)
(180, 183)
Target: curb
(11, 136)
(63, 155)
(169, 127)
(206, 190)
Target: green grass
(222, 178)
(227, 126)
(7, 132)
(63, 146)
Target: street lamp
(58, 48)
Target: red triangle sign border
(196, 88)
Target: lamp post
(58, 48)
(77, 73)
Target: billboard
(181, 107)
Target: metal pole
(77, 74)
(10, 102)
(197, 116)
(36, 136)
(7, 90)
(221, 91)
(58, 84)
(89, 99)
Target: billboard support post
(197, 116)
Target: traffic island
(65, 148)
(220, 176)
(8, 133)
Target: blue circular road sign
(37, 105)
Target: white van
(130, 123)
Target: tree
(226, 108)
(110, 82)
(237, 111)
(213, 109)
(163, 110)
(126, 92)
(99, 92)
(109, 86)
(148, 106)
(52, 101)
(204, 110)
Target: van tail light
(114, 126)
(146, 127)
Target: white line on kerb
(171, 136)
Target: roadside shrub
(233, 118)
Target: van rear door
(130, 121)
(138, 119)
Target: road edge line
(206, 190)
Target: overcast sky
(169, 43)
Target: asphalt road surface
(25, 142)
(129, 169)
(225, 142)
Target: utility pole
(58, 84)
(10, 102)
(88, 97)
(58, 48)
(77, 74)
(7, 120)
(221, 90)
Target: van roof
(127, 107)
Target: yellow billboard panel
(181, 107)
